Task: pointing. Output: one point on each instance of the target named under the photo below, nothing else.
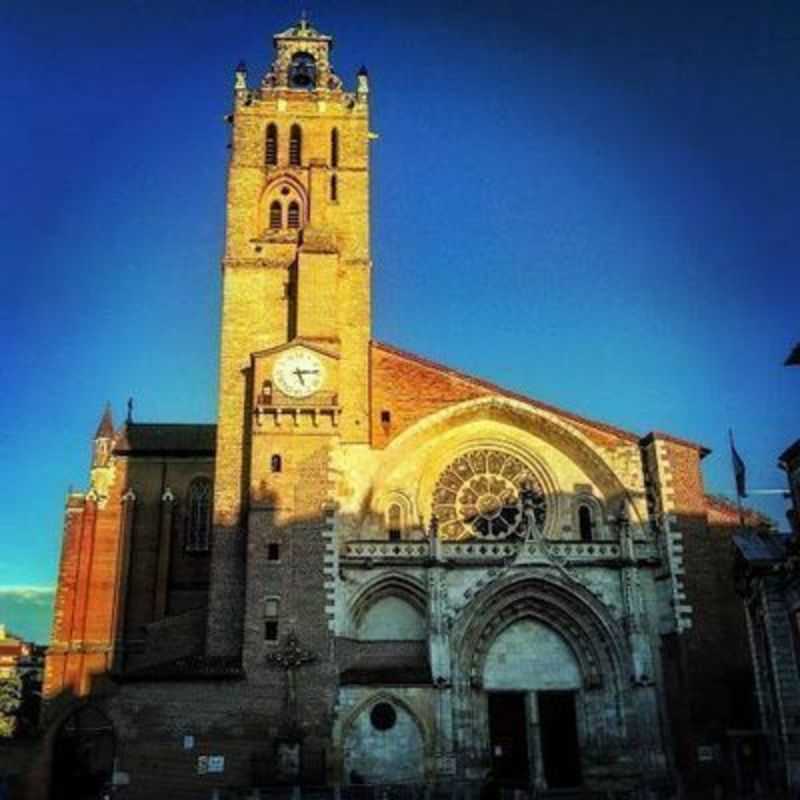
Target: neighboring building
(21, 670)
(374, 568)
(19, 658)
(790, 463)
(767, 574)
(12, 650)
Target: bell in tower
(302, 71)
(302, 60)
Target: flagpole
(736, 481)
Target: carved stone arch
(596, 509)
(284, 188)
(527, 418)
(426, 725)
(390, 584)
(570, 610)
(396, 498)
(419, 714)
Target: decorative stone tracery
(480, 494)
(593, 636)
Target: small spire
(240, 76)
(129, 418)
(105, 430)
(362, 84)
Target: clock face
(298, 373)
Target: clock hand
(299, 372)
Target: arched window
(295, 146)
(275, 215)
(271, 613)
(334, 188)
(272, 144)
(585, 523)
(294, 214)
(198, 517)
(334, 148)
(394, 521)
(276, 463)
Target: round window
(383, 717)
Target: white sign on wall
(216, 763)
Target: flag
(739, 471)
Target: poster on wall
(288, 760)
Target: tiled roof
(760, 548)
(751, 517)
(166, 439)
(188, 668)
(106, 426)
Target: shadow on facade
(357, 657)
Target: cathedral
(374, 569)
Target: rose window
(480, 494)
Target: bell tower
(295, 337)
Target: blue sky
(591, 203)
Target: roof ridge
(170, 424)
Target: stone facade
(409, 574)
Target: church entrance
(533, 683)
(508, 736)
(559, 739)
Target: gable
(410, 388)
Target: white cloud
(33, 594)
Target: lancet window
(294, 214)
(335, 148)
(295, 146)
(271, 157)
(275, 215)
(394, 521)
(585, 523)
(198, 518)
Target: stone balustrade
(481, 551)
(388, 550)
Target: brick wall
(263, 291)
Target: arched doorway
(548, 640)
(384, 744)
(83, 755)
(533, 683)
